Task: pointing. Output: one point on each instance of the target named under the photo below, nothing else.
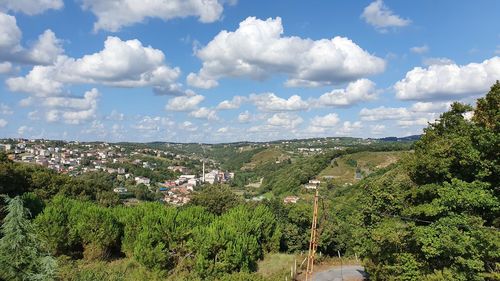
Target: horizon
(215, 143)
(222, 72)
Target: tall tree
(21, 254)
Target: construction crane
(313, 242)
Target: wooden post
(313, 243)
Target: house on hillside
(290, 199)
(143, 180)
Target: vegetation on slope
(435, 216)
(344, 168)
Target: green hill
(269, 155)
(343, 169)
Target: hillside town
(128, 165)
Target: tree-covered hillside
(436, 215)
(433, 215)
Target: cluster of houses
(178, 192)
(71, 157)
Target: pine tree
(21, 256)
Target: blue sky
(227, 70)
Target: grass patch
(276, 264)
(265, 156)
(343, 170)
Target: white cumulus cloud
(448, 81)
(115, 14)
(329, 120)
(258, 49)
(245, 117)
(204, 113)
(231, 104)
(71, 110)
(45, 50)
(30, 7)
(381, 17)
(184, 103)
(3, 123)
(285, 120)
(355, 92)
(120, 63)
(270, 102)
(384, 113)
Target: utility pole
(313, 242)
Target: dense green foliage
(289, 178)
(21, 254)
(217, 199)
(435, 216)
(161, 238)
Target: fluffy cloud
(448, 81)
(10, 34)
(285, 120)
(329, 120)
(115, 14)
(204, 113)
(72, 110)
(23, 130)
(44, 51)
(349, 127)
(269, 102)
(223, 130)
(30, 7)
(244, 117)
(116, 116)
(430, 106)
(416, 122)
(419, 49)
(156, 123)
(231, 104)
(3, 123)
(67, 109)
(384, 113)
(358, 91)
(381, 17)
(120, 63)
(184, 103)
(258, 49)
(419, 114)
(39, 82)
(188, 126)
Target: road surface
(346, 273)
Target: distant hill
(408, 138)
(352, 167)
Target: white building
(212, 177)
(120, 190)
(143, 180)
(192, 182)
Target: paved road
(347, 273)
